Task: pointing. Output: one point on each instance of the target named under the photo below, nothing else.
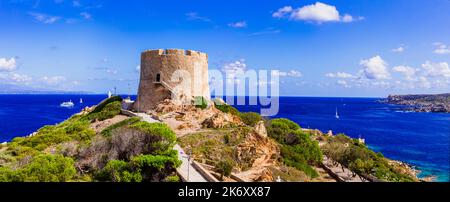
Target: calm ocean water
(420, 139)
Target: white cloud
(342, 75)
(441, 48)
(290, 73)
(240, 24)
(318, 12)
(436, 69)
(398, 50)
(234, 68)
(407, 71)
(86, 15)
(111, 71)
(52, 80)
(282, 12)
(375, 68)
(13, 77)
(196, 16)
(343, 83)
(8, 64)
(44, 18)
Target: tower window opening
(158, 77)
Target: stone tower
(171, 74)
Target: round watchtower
(171, 74)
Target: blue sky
(322, 48)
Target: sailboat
(337, 115)
(81, 101)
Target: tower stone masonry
(171, 74)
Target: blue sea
(420, 139)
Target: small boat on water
(337, 115)
(81, 101)
(67, 104)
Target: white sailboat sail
(337, 115)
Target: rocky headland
(422, 102)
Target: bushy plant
(164, 137)
(250, 118)
(118, 171)
(104, 103)
(226, 108)
(200, 102)
(224, 167)
(43, 168)
(107, 131)
(108, 111)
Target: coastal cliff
(423, 102)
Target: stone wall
(187, 65)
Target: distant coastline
(422, 102)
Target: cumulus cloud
(375, 68)
(398, 50)
(282, 12)
(342, 75)
(52, 80)
(44, 18)
(234, 68)
(240, 24)
(15, 78)
(8, 64)
(343, 83)
(436, 69)
(318, 12)
(441, 48)
(290, 73)
(407, 71)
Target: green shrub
(164, 137)
(361, 160)
(118, 171)
(172, 178)
(107, 131)
(227, 108)
(200, 102)
(224, 167)
(43, 168)
(292, 125)
(226, 138)
(104, 103)
(110, 110)
(154, 163)
(250, 118)
(71, 129)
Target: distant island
(422, 102)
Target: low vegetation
(298, 150)
(200, 102)
(361, 160)
(128, 151)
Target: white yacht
(67, 104)
(337, 115)
(81, 101)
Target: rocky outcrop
(260, 129)
(422, 103)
